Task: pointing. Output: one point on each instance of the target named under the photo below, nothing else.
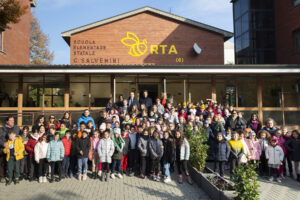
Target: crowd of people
(140, 138)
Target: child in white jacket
(274, 155)
(40, 154)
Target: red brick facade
(16, 40)
(287, 21)
(102, 45)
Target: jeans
(155, 166)
(2, 165)
(65, 165)
(234, 163)
(13, 165)
(167, 169)
(32, 167)
(116, 164)
(82, 165)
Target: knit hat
(252, 133)
(117, 131)
(274, 139)
(102, 126)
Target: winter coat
(67, 145)
(147, 101)
(236, 148)
(218, 127)
(168, 151)
(84, 145)
(184, 151)
(270, 130)
(221, 151)
(93, 149)
(263, 144)
(254, 149)
(56, 151)
(40, 150)
(85, 120)
(106, 149)
(238, 123)
(155, 148)
(30, 145)
(274, 155)
(4, 135)
(118, 153)
(74, 147)
(126, 145)
(293, 146)
(25, 139)
(18, 148)
(252, 125)
(143, 146)
(62, 133)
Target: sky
(57, 16)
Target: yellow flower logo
(137, 48)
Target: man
(146, 100)
(7, 128)
(132, 100)
(160, 107)
(85, 117)
(236, 121)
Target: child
(118, 154)
(274, 155)
(293, 146)
(133, 153)
(90, 128)
(106, 149)
(143, 147)
(167, 157)
(55, 154)
(73, 154)
(24, 163)
(63, 129)
(246, 156)
(228, 134)
(40, 153)
(67, 142)
(30, 149)
(82, 128)
(254, 147)
(51, 133)
(156, 152)
(264, 137)
(182, 156)
(221, 154)
(14, 149)
(236, 152)
(83, 146)
(281, 142)
(93, 154)
(288, 158)
(126, 139)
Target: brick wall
(16, 40)
(106, 39)
(287, 20)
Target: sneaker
(112, 176)
(45, 179)
(271, 179)
(282, 176)
(180, 179)
(17, 182)
(41, 179)
(278, 180)
(154, 178)
(167, 180)
(99, 173)
(157, 178)
(119, 175)
(142, 176)
(8, 182)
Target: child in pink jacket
(254, 147)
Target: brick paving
(119, 189)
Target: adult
(146, 100)
(254, 123)
(85, 117)
(270, 126)
(66, 119)
(160, 107)
(39, 122)
(236, 121)
(132, 101)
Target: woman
(182, 156)
(40, 153)
(254, 123)
(167, 155)
(93, 154)
(66, 119)
(39, 122)
(42, 131)
(52, 121)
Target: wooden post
(137, 91)
(165, 86)
(236, 92)
(282, 101)
(189, 91)
(89, 95)
(259, 97)
(20, 100)
(111, 86)
(67, 92)
(184, 90)
(43, 96)
(213, 88)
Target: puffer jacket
(274, 155)
(67, 145)
(40, 150)
(168, 151)
(184, 150)
(85, 120)
(254, 149)
(155, 148)
(106, 149)
(84, 145)
(293, 146)
(30, 145)
(18, 148)
(143, 145)
(56, 151)
(221, 151)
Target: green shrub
(246, 183)
(198, 150)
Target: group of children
(147, 140)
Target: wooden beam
(213, 87)
(259, 97)
(20, 100)
(282, 101)
(67, 92)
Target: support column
(213, 88)
(165, 86)
(259, 97)
(89, 95)
(20, 100)
(43, 96)
(282, 101)
(236, 92)
(114, 89)
(67, 92)
(184, 90)
(189, 91)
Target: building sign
(138, 48)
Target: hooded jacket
(143, 145)
(84, 145)
(85, 120)
(31, 144)
(168, 151)
(18, 148)
(56, 150)
(67, 145)
(274, 155)
(40, 150)
(155, 148)
(106, 149)
(221, 151)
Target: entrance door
(152, 90)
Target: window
(297, 38)
(296, 2)
(1, 40)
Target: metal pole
(165, 86)
(114, 89)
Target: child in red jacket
(34, 137)
(67, 141)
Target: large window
(296, 2)
(297, 41)
(271, 91)
(247, 91)
(291, 90)
(8, 90)
(79, 90)
(226, 90)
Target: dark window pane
(276, 115)
(292, 118)
(297, 37)
(237, 8)
(238, 44)
(245, 40)
(271, 91)
(238, 27)
(245, 22)
(244, 6)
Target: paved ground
(119, 189)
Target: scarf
(121, 143)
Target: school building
(149, 49)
